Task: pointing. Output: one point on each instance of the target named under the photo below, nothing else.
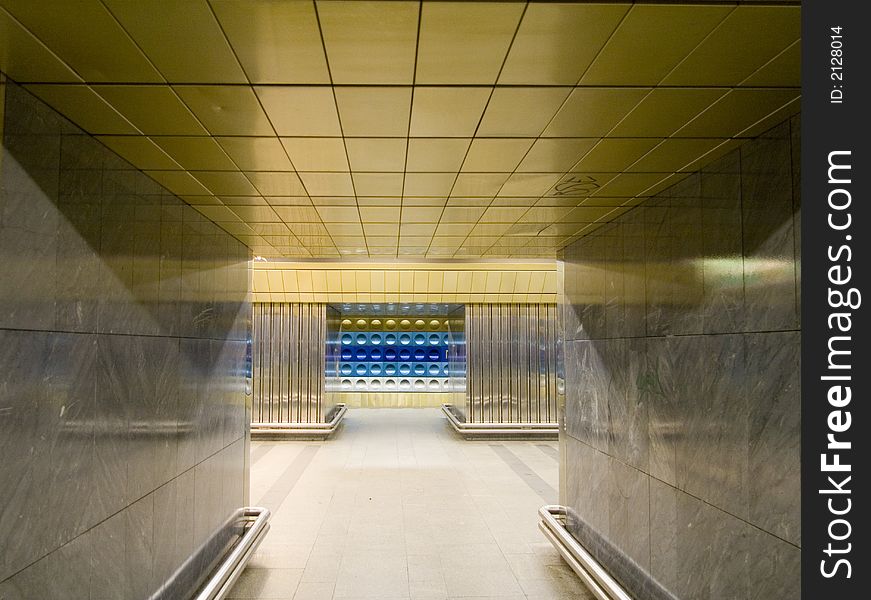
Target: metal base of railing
(500, 431)
(601, 584)
(299, 431)
(224, 577)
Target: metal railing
(500, 430)
(222, 580)
(300, 430)
(601, 584)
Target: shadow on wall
(682, 326)
(123, 327)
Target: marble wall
(682, 348)
(123, 327)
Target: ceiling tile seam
(775, 111)
(481, 119)
(607, 41)
(564, 173)
(338, 117)
(134, 42)
(702, 41)
(292, 234)
(43, 44)
(265, 113)
(407, 131)
(699, 45)
(181, 101)
(561, 106)
(771, 60)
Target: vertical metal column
(288, 346)
(511, 376)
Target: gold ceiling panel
(378, 184)
(665, 110)
(555, 155)
(153, 109)
(86, 37)
(180, 183)
(369, 42)
(256, 153)
(614, 154)
(747, 39)
(376, 154)
(140, 151)
(736, 111)
(593, 112)
(674, 154)
(436, 154)
(226, 183)
(300, 111)
(168, 41)
(650, 41)
(196, 153)
(448, 111)
(374, 111)
(556, 42)
(25, 58)
(226, 110)
(276, 42)
(374, 129)
(81, 105)
(517, 112)
(496, 155)
(464, 43)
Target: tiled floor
(396, 506)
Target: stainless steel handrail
(324, 429)
(600, 583)
(497, 428)
(222, 580)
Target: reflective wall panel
(123, 327)
(512, 373)
(289, 355)
(683, 398)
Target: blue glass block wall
(393, 354)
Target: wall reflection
(682, 345)
(123, 327)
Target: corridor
(397, 506)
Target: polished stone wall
(123, 327)
(682, 345)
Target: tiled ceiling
(496, 281)
(408, 129)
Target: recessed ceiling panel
(447, 111)
(87, 37)
(24, 58)
(593, 112)
(153, 109)
(650, 41)
(317, 153)
(369, 42)
(747, 39)
(464, 43)
(377, 154)
(556, 42)
(276, 42)
(374, 111)
(300, 110)
(521, 111)
(81, 105)
(256, 153)
(394, 141)
(226, 110)
(168, 41)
